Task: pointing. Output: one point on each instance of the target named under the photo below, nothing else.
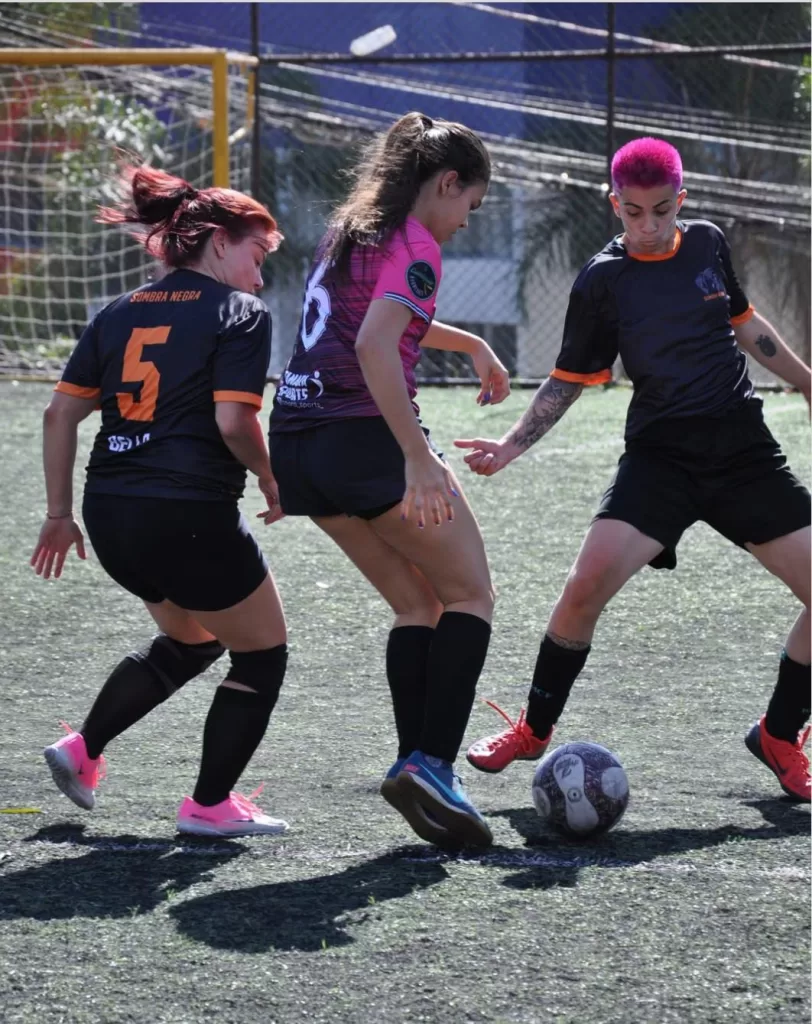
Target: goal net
(62, 128)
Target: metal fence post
(610, 108)
(256, 127)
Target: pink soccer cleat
(76, 774)
(234, 816)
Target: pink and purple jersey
(323, 380)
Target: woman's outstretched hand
(56, 538)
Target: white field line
(661, 867)
(520, 859)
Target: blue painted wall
(434, 27)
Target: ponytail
(174, 220)
(391, 173)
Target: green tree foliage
(62, 24)
(63, 162)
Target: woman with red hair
(178, 369)
(664, 296)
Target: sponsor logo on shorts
(421, 279)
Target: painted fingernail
(486, 398)
(403, 517)
(455, 493)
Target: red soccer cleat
(787, 761)
(517, 743)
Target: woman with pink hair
(664, 296)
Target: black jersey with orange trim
(157, 359)
(670, 318)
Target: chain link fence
(741, 121)
(65, 130)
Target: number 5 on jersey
(138, 369)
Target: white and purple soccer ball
(580, 790)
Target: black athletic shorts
(352, 466)
(729, 472)
(201, 555)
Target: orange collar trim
(660, 255)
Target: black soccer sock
(139, 683)
(407, 657)
(556, 670)
(458, 650)
(788, 710)
(235, 725)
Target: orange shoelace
(519, 731)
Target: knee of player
(422, 609)
(173, 663)
(585, 589)
(489, 595)
(476, 592)
(258, 672)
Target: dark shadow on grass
(784, 813)
(635, 846)
(550, 874)
(627, 847)
(119, 876)
(309, 914)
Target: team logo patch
(711, 284)
(421, 279)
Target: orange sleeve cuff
(66, 388)
(742, 318)
(601, 377)
(247, 397)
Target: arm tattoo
(570, 645)
(550, 403)
(766, 344)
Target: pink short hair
(647, 163)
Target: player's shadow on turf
(118, 876)
(307, 914)
(627, 847)
(785, 813)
